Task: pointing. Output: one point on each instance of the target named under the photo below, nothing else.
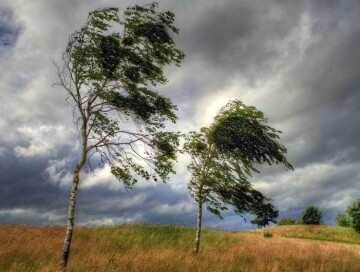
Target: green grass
(161, 236)
(320, 232)
(268, 234)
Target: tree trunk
(70, 223)
(198, 223)
(71, 210)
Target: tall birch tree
(224, 156)
(109, 70)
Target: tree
(354, 213)
(286, 221)
(311, 216)
(265, 215)
(220, 171)
(109, 76)
(342, 220)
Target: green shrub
(286, 221)
(268, 234)
(342, 220)
(311, 216)
(354, 213)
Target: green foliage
(286, 221)
(354, 212)
(267, 234)
(166, 146)
(311, 216)
(217, 180)
(243, 131)
(111, 66)
(342, 220)
(265, 215)
(220, 172)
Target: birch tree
(224, 156)
(109, 70)
(208, 169)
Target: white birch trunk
(70, 222)
(198, 222)
(71, 210)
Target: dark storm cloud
(297, 61)
(25, 189)
(231, 39)
(159, 204)
(234, 34)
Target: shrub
(268, 234)
(342, 220)
(311, 216)
(354, 213)
(286, 221)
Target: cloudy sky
(297, 61)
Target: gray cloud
(297, 61)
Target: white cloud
(43, 140)
(325, 184)
(111, 221)
(58, 174)
(179, 208)
(103, 177)
(33, 214)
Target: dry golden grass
(168, 248)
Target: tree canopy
(311, 215)
(242, 131)
(354, 213)
(286, 221)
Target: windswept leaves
(243, 132)
(111, 66)
(166, 146)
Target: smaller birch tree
(224, 155)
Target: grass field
(157, 248)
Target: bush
(354, 213)
(342, 220)
(311, 216)
(268, 234)
(286, 221)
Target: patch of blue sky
(9, 28)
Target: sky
(297, 61)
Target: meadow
(156, 248)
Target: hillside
(157, 248)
